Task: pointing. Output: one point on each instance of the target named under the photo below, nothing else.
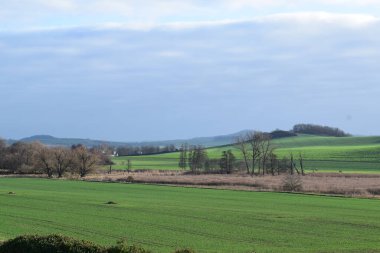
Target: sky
(153, 70)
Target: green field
(163, 218)
(326, 154)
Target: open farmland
(163, 218)
(325, 154)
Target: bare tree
(254, 140)
(293, 165)
(21, 157)
(44, 160)
(301, 164)
(3, 145)
(274, 164)
(84, 161)
(265, 149)
(242, 144)
(3, 152)
(63, 159)
(255, 148)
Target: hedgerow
(64, 244)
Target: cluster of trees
(277, 134)
(319, 130)
(258, 158)
(23, 157)
(196, 158)
(257, 152)
(144, 150)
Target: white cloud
(52, 13)
(62, 5)
(298, 18)
(171, 54)
(351, 2)
(350, 20)
(142, 9)
(298, 3)
(238, 4)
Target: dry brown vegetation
(355, 185)
(365, 185)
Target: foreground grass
(163, 218)
(325, 154)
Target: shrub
(374, 191)
(292, 183)
(48, 244)
(184, 251)
(127, 249)
(64, 244)
(123, 247)
(130, 179)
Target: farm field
(324, 154)
(163, 218)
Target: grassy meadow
(324, 154)
(164, 218)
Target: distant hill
(212, 141)
(54, 141)
(204, 141)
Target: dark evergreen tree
(183, 157)
(227, 161)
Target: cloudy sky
(153, 70)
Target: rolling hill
(204, 141)
(332, 154)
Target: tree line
(34, 157)
(258, 158)
(319, 130)
(144, 150)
